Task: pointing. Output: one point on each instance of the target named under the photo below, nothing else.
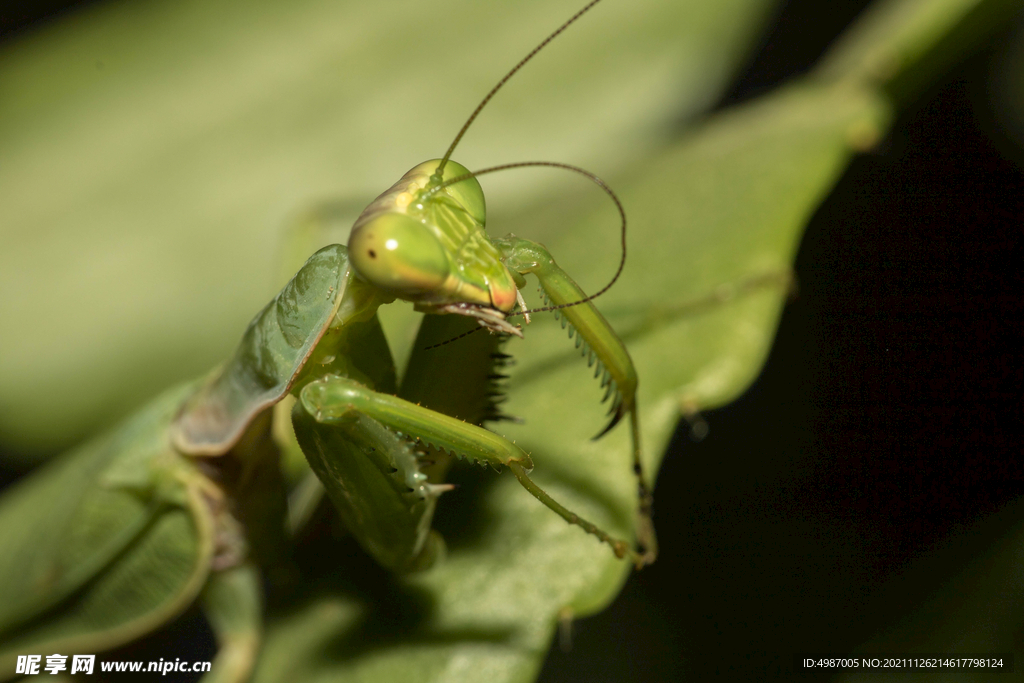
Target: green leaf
(153, 155)
(241, 132)
(724, 205)
(101, 546)
(902, 45)
(742, 187)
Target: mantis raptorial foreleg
(376, 485)
(604, 351)
(188, 498)
(342, 401)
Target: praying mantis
(186, 500)
(127, 508)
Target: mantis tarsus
(189, 491)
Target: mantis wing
(274, 349)
(104, 544)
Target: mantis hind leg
(604, 351)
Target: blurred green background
(874, 459)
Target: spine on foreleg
(594, 336)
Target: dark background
(887, 421)
(886, 424)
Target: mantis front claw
(335, 399)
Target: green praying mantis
(186, 500)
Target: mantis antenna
(568, 167)
(439, 173)
(553, 164)
(437, 183)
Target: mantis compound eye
(398, 253)
(467, 193)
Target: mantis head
(423, 241)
